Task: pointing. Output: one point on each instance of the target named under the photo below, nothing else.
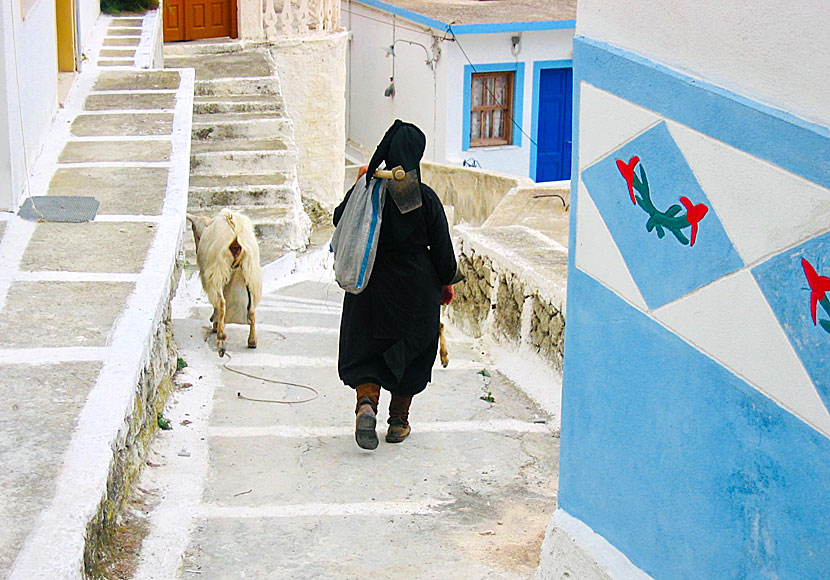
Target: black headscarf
(404, 145)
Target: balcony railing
(285, 18)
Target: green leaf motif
(825, 324)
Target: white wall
(725, 42)
(495, 48)
(419, 95)
(29, 48)
(434, 101)
(312, 75)
(88, 10)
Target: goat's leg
(443, 348)
(221, 337)
(252, 333)
(214, 318)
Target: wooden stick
(398, 173)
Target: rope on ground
(239, 394)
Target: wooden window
(491, 109)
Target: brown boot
(398, 419)
(366, 415)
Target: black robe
(389, 332)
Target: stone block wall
(499, 296)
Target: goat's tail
(247, 254)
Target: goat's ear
(198, 225)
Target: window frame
(517, 123)
(506, 108)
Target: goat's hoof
(444, 363)
(252, 343)
(221, 351)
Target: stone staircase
(243, 153)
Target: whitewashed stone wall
(312, 71)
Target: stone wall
(474, 193)
(312, 72)
(130, 449)
(514, 289)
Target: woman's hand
(447, 294)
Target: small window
(491, 109)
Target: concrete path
(246, 489)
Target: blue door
(553, 138)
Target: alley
(249, 489)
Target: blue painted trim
(538, 66)
(372, 227)
(490, 28)
(518, 97)
(771, 134)
(483, 28)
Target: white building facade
(439, 75)
(40, 38)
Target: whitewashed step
(240, 195)
(241, 162)
(207, 46)
(239, 145)
(241, 126)
(238, 104)
(238, 86)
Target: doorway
(552, 143)
(67, 46)
(197, 19)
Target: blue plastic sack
(355, 240)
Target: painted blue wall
(679, 463)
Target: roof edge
(479, 28)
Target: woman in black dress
(389, 332)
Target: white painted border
(609, 558)
(145, 50)
(311, 510)
(300, 432)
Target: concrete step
(229, 65)
(278, 222)
(207, 46)
(238, 104)
(251, 179)
(241, 162)
(241, 126)
(239, 145)
(242, 195)
(238, 86)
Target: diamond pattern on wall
(731, 321)
(662, 221)
(795, 296)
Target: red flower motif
(819, 286)
(627, 171)
(694, 213)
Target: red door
(195, 19)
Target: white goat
(228, 256)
